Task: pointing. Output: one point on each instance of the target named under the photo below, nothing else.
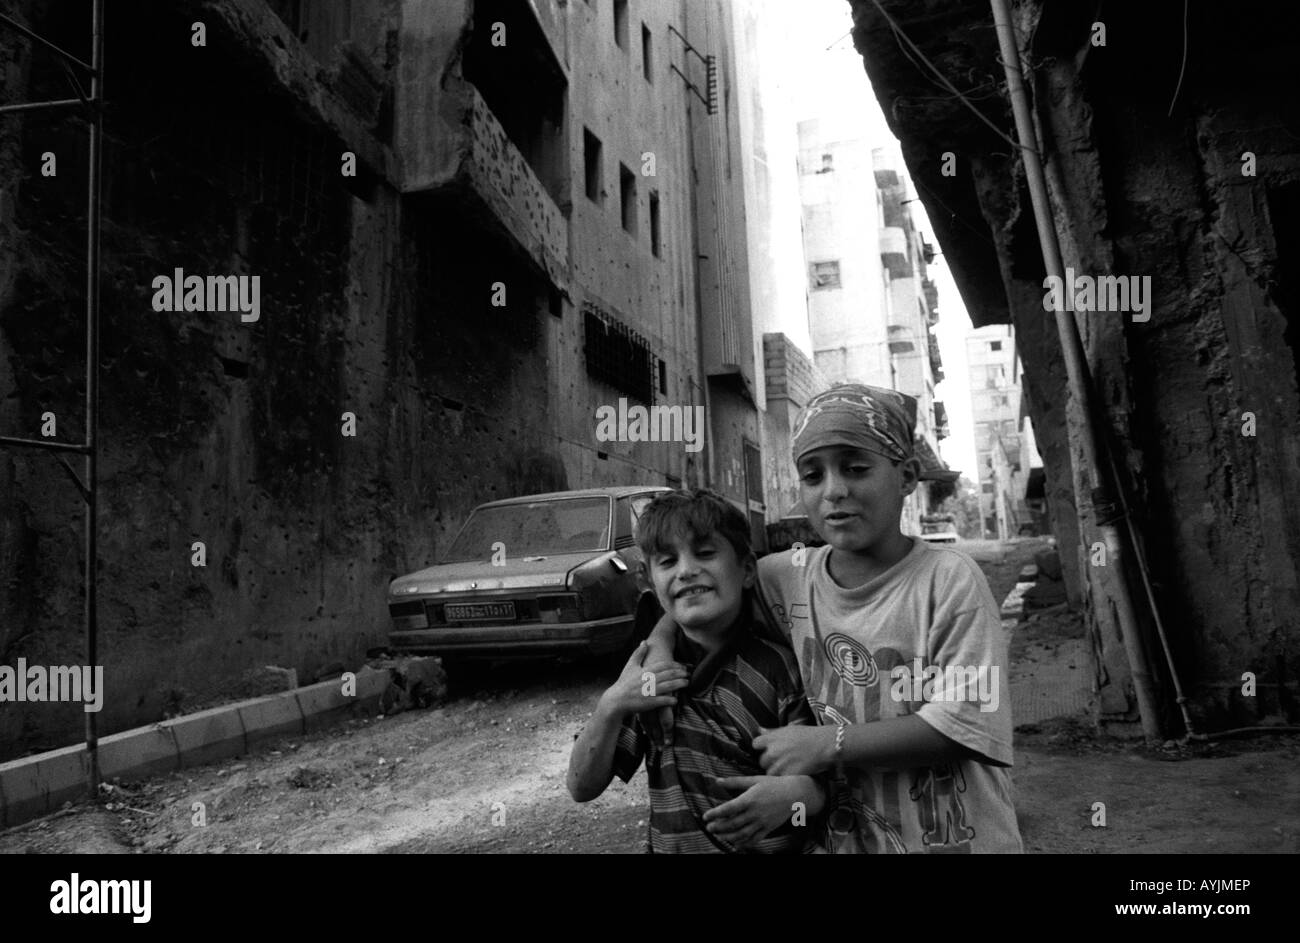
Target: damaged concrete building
(475, 222)
(1171, 139)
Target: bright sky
(831, 82)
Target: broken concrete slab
(1013, 607)
(416, 682)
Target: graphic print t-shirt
(922, 638)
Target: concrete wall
(613, 269)
(1148, 188)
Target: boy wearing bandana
(899, 644)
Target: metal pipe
(1135, 539)
(92, 373)
(39, 444)
(1076, 367)
(40, 106)
(40, 40)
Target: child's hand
(765, 804)
(795, 750)
(662, 638)
(630, 694)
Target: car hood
(547, 573)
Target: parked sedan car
(546, 574)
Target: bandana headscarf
(864, 417)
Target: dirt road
(485, 773)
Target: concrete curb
(40, 784)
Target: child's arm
(896, 743)
(591, 764)
(662, 642)
(765, 804)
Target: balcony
(473, 157)
(931, 292)
(338, 99)
(498, 173)
(936, 361)
(488, 140)
(901, 339)
(941, 430)
(894, 252)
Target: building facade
(996, 411)
(475, 225)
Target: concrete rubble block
(138, 754)
(372, 682)
(1048, 562)
(1013, 607)
(1045, 593)
(35, 785)
(207, 736)
(270, 718)
(415, 682)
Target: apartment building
(1004, 455)
(871, 304)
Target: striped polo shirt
(749, 683)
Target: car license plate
(479, 610)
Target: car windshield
(535, 529)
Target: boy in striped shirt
(697, 552)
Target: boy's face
(852, 497)
(701, 582)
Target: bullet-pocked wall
(430, 258)
(628, 334)
(234, 526)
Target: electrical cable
(952, 88)
(1183, 67)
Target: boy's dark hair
(693, 515)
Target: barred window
(618, 355)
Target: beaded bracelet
(839, 748)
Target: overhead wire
(1181, 69)
(898, 32)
